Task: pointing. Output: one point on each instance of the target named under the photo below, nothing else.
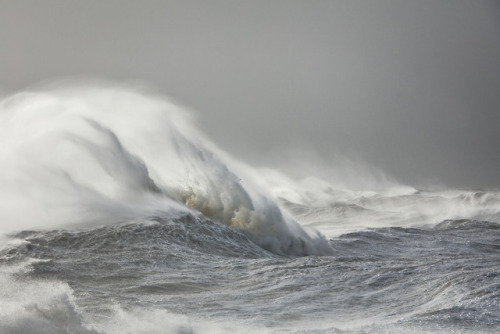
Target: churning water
(119, 216)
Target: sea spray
(94, 154)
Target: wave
(86, 155)
(162, 238)
(83, 156)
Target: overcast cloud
(411, 87)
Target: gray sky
(411, 87)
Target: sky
(409, 87)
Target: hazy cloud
(412, 87)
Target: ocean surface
(117, 215)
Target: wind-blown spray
(83, 155)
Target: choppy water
(118, 216)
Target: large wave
(91, 154)
(99, 154)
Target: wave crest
(92, 154)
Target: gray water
(209, 278)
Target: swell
(161, 238)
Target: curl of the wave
(92, 154)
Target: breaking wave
(87, 155)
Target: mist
(408, 88)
